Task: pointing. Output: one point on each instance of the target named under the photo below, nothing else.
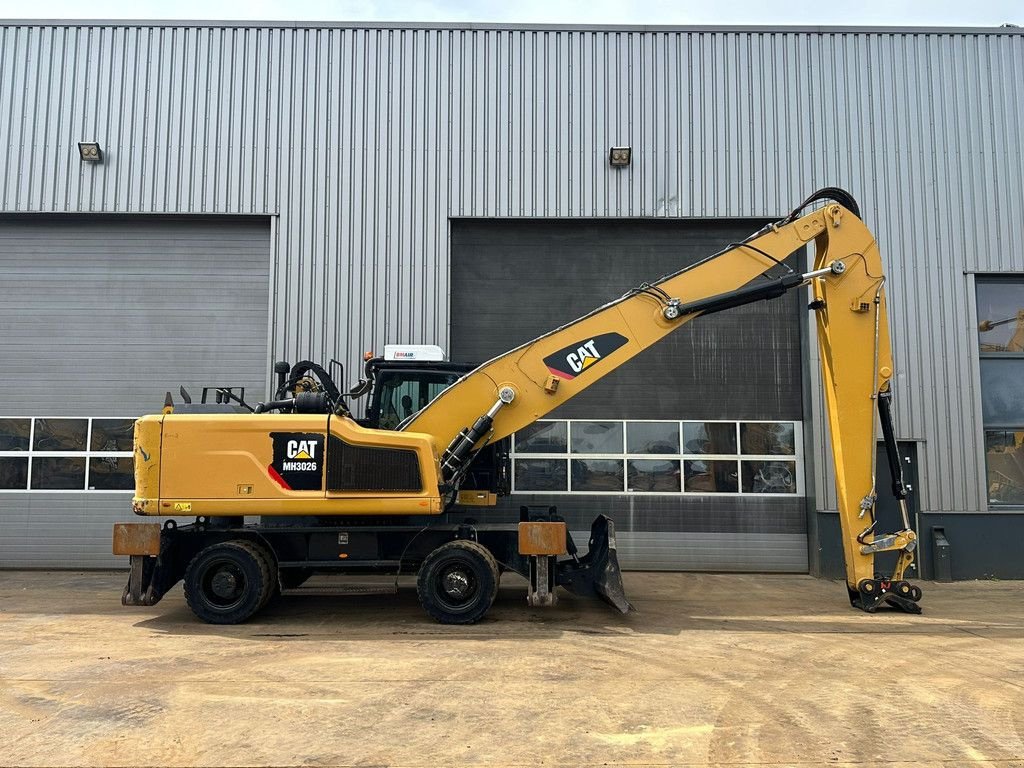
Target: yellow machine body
(233, 465)
(280, 464)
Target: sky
(984, 13)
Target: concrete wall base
(984, 545)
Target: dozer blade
(597, 574)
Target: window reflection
(768, 439)
(13, 473)
(597, 475)
(60, 434)
(1002, 392)
(1004, 454)
(541, 475)
(709, 437)
(14, 434)
(58, 473)
(112, 435)
(542, 437)
(652, 437)
(596, 437)
(1000, 316)
(53, 454)
(654, 475)
(769, 476)
(666, 457)
(715, 476)
(111, 473)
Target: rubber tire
(259, 583)
(271, 563)
(473, 556)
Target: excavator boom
(524, 384)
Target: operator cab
(405, 380)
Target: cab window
(403, 393)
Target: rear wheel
(458, 582)
(228, 583)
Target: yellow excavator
(332, 495)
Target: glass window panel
(542, 437)
(715, 476)
(1004, 457)
(597, 474)
(111, 473)
(541, 475)
(596, 437)
(661, 475)
(709, 437)
(768, 439)
(14, 434)
(1002, 392)
(112, 435)
(60, 435)
(405, 393)
(1001, 316)
(769, 476)
(58, 473)
(13, 473)
(652, 437)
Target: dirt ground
(710, 670)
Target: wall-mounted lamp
(619, 157)
(90, 151)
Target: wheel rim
(224, 584)
(457, 587)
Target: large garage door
(695, 448)
(99, 317)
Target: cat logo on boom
(569, 362)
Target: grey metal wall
(366, 140)
(99, 316)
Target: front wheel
(227, 583)
(458, 582)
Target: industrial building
(185, 203)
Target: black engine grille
(355, 468)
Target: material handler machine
(331, 494)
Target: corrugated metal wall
(366, 140)
(92, 325)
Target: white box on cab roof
(413, 352)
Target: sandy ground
(710, 670)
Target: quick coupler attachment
(871, 593)
(597, 574)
